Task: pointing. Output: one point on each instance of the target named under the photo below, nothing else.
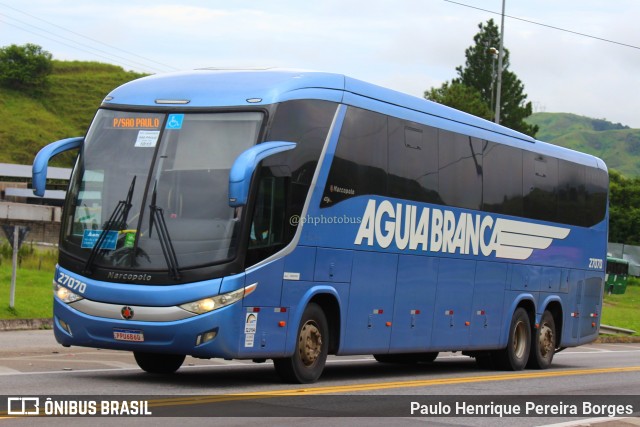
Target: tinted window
(502, 179)
(539, 183)
(572, 194)
(360, 161)
(460, 175)
(597, 183)
(413, 161)
(432, 165)
(267, 227)
(284, 179)
(307, 123)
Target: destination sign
(136, 122)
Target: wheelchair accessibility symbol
(175, 121)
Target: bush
(25, 67)
(30, 257)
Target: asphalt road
(32, 364)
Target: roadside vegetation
(34, 278)
(43, 100)
(623, 311)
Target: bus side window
(572, 194)
(267, 225)
(460, 170)
(359, 166)
(413, 161)
(502, 195)
(539, 186)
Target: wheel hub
(310, 343)
(519, 340)
(546, 341)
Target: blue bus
(289, 215)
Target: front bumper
(172, 337)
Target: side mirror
(41, 162)
(244, 166)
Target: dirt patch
(25, 324)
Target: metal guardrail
(612, 330)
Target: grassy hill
(77, 89)
(616, 144)
(63, 110)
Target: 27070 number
(71, 283)
(595, 263)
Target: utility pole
(15, 236)
(14, 263)
(494, 56)
(500, 55)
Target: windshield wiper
(118, 218)
(156, 216)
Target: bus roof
(234, 88)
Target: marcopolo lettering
(410, 227)
(128, 276)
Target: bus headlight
(64, 294)
(206, 305)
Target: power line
(110, 56)
(546, 25)
(136, 55)
(66, 44)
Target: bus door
(590, 310)
(452, 315)
(488, 298)
(576, 285)
(414, 303)
(371, 295)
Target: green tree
(480, 73)
(461, 97)
(25, 67)
(624, 209)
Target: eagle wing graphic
(518, 239)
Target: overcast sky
(406, 45)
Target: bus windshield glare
(169, 173)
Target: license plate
(128, 335)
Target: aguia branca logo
(407, 226)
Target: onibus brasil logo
(407, 226)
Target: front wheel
(515, 356)
(543, 343)
(158, 363)
(308, 360)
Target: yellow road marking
(196, 400)
(191, 400)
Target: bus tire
(516, 355)
(406, 358)
(158, 363)
(543, 343)
(312, 346)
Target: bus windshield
(150, 187)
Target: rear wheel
(543, 343)
(158, 363)
(515, 356)
(308, 360)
